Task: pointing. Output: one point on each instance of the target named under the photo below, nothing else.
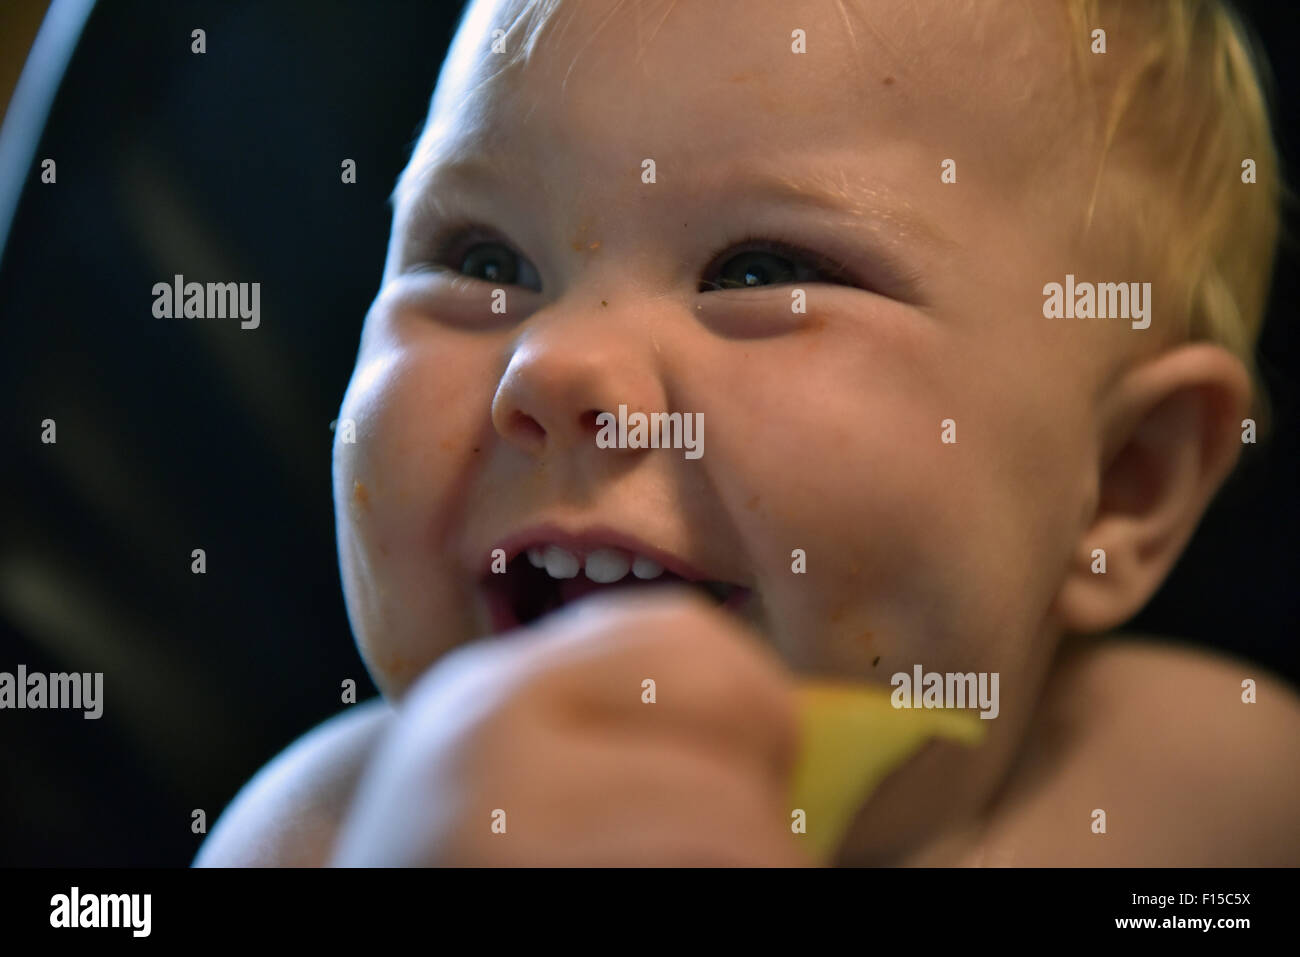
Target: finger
(673, 664)
(659, 802)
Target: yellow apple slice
(852, 738)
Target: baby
(965, 294)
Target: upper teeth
(603, 565)
(646, 568)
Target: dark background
(175, 435)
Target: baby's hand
(539, 747)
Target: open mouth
(544, 578)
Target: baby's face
(822, 429)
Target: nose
(566, 370)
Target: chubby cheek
(879, 526)
(395, 487)
(910, 547)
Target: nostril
(526, 427)
(589, 421)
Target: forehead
(723, 76)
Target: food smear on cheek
(580, 242)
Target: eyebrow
(832, 192)
(415, 185)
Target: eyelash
(828, 269)
(459, 238)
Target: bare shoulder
(1190, 755)
(288, 815)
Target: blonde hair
(1184, 91)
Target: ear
(1170, 432)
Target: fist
(627, 729)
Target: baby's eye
(476, 253)
(497, 263)
(770, 264)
